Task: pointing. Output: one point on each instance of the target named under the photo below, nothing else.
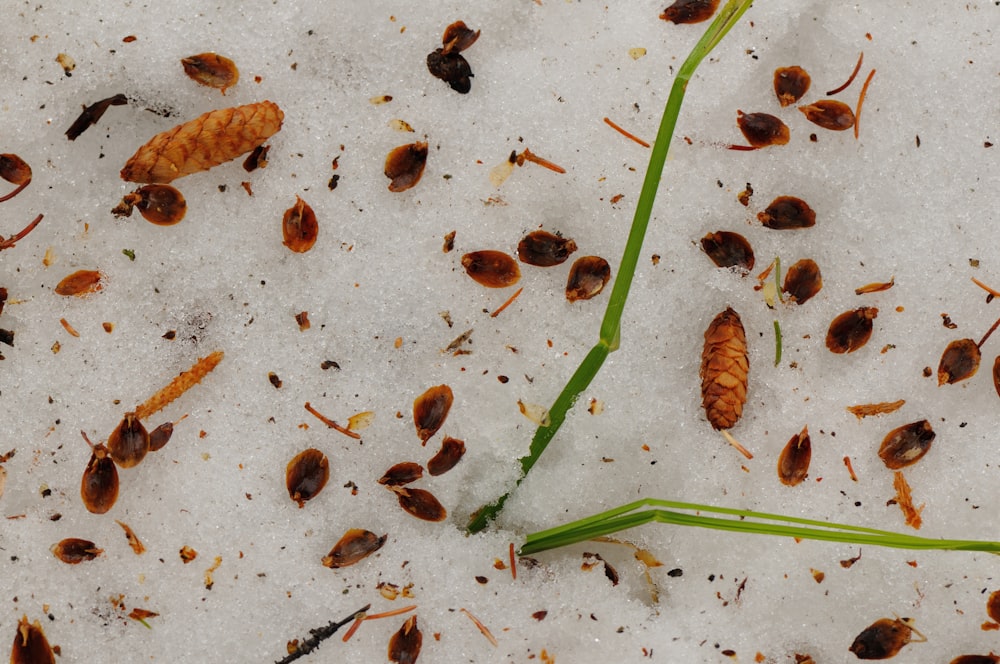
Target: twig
(850, 79)
(330, 423)
(506, 304)
(318, 636)
(625, 133)
(861, 101)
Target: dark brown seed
(99, 486)
(724, 369)
(80, 283)
(851, 330)
(92, 114)
(306, 475)
(160, 436)
(404, 645)
(787, 212)
(727, 249)
(996, 375)
(452, 68)
(803, 281)
(493, 269)
(420, 503)
(405, 164)
(74, 550)
(975, 659)
(256, 159)
(299, 227)
(761, 129)
(15, 170)
(458, 37)
(451, 452)
(993, 606)
(790, 84)
(829, 114)
(587, 278)
(129, 442)
(690, 11)
(905, 445)
(160, 204)
(959, 361)
(449, 242)
(212, 70)
(544, 249)
(430, 410)
(402, 473)
(30, 645)
(882, 639)
(354, 546)
(793, 464)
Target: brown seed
(160, 436)
(493, 269)
(996, 375)
(209, 140)
(15, 170)
(787, 212)
(803, 281)
(458, 37)
(793, 464)
(306, 475)
(129, 443)
(256, 159)
(690, 11)
(74, 550)
(80, 283)
(299, 227)
(92, 114)
(959, 361)
(587, 278)
(451, 452)
(883, 639)
(99, 486)
(727, 249)
(211, 69)
(404, 645)
(544, 249)
(452, 68)
(354, 546)
(30, 645)
(993, 606)
(404, 165)
(724, 369)
(790, 84)
(851, 330)
(159, 204)
(430, 410)
(829, 114)
(402, 473)
(420, 503)
(761, 129)
(975, 659)
(905, 445)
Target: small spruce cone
(724, 368)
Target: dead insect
(829, 114)
(80, 283)
(92, 114)
(762, 129)
(690, 11)
(299, 227)
(129, 442)
(306, 475)
(74, 550)
(787, 212)
(493, 269)
(793, 464)
(420, 503)
(211, 69)
(803, 281)
(975, 659)
(851, 330)
(402, 473)
(354, 546)
(430, 410)
(587, 278)
(209, 140)
(728, 249)
(15, 170)
(30, 645)
(404, 165)
(404, 645)
(544, 249)
(99, 486)
(790, 84)
(884, 638)
(959, 361)
(159, 204)
(448, 456)
(724, 369)
(905, 445)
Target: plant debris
(862, 411)
(404, 645)
(299, 227)
(447, 63)
(30, 645)
(92, 114)
(159, 204)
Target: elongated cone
(724, 369)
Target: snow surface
(921, 210)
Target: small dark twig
(318, 636)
